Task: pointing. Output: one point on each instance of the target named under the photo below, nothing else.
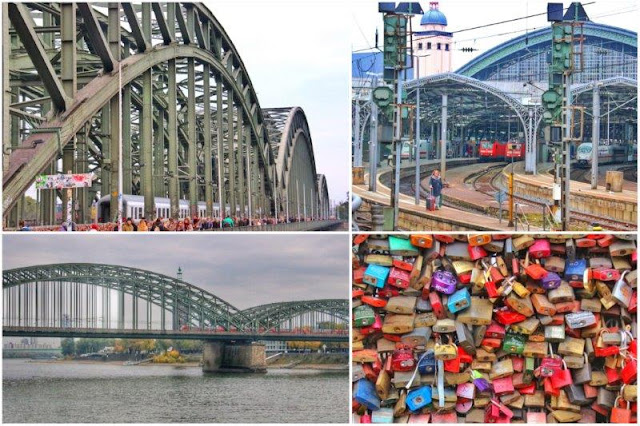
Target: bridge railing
(295, 226)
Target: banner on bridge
(61, 181)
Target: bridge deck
(337, 336)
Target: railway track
(487, 182)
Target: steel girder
(198, 306)
(323, 193)
(202, 39)
(274, 314)
(150, 286)
(290, 140)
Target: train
(133, 207)
(607, 154)
(501, 151)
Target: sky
(465, 14)
(297, 53)
(243, 269)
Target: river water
(37, 392)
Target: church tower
(432, 44)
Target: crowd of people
(166, 224)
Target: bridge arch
(287, 314)
(67, 287)
(290, 140)
(191, 123)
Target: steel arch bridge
(87, 299)
(166, 79)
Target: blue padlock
(365, 394)
(376, 275)
(574, 271)
(459, 300)
(383, 415)
(419, 398)
(427, 364)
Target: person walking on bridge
(435, 185)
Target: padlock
(402, 263)
(479, 313)
(502, 368)
(629, 372)
(550, 281)
(419, 398)
(605, 274)
(466, 390)
(398, 278)
(540, 248)
(562, 293)
(576, 396)
(554, 333)
(542, 305)
(583, 374)
(580, 319)
(401, 305)
(502, 385)
(562, 377)
(534, 349)
(383, 415)
(554, 264)
(605, 398)
(621, 248)
(376, 275)
(536, 271)
(527, 327)
(398, 324)
(427, 362)
(620, 415)
(520, 305)
(506, 316)
(522, 242)
(444, 326)
(418, 337)
(514, 343)
(574, 271)
(445, 351)
(436, 305)
(421, 240)
(571, 346)
(622, 292)
(459, 300)
(363, 316)
(401, 246)
(464, 338)
(444, 282)
(365, 393)
(402, 359)
(629, 393)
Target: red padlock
(398, 278)
(373, 328)
(402, 359)
(491, 289)
(476, 252)
(605, 274)
(506, 316)
(503, 385)
(620, 415)
(365, 418)
(529, 389)
(562, 377)
(452, 365)
(436, 305)
(401, 264)
(464, 357)
(358, 275)
(518, 363)
(549, 389)
(612, 375)
(495, 330)
(629, 372)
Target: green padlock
(529, 366)
(363, 316)
(513, 343)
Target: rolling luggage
(431, 202)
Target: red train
(501, 151)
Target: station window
(446, 47)
(419, 46)
(428, 45)
(439, 46)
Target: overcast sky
(243, 269)
(464, 14)
(297, 53)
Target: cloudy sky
(298, 54)
(464, 14)
(245, 270)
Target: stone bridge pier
(242, 357)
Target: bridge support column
(220, 357)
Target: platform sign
(61, 181)
(500, 196)
(513, 150)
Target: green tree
(68, 346)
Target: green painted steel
(75, 97)
(190, 306)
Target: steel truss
(191, 123)
(64, 296)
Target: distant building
(432, 44)
(275, 346)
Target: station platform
(600, 203)
(416, 217)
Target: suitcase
(431, 202)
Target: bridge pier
(220, 357)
